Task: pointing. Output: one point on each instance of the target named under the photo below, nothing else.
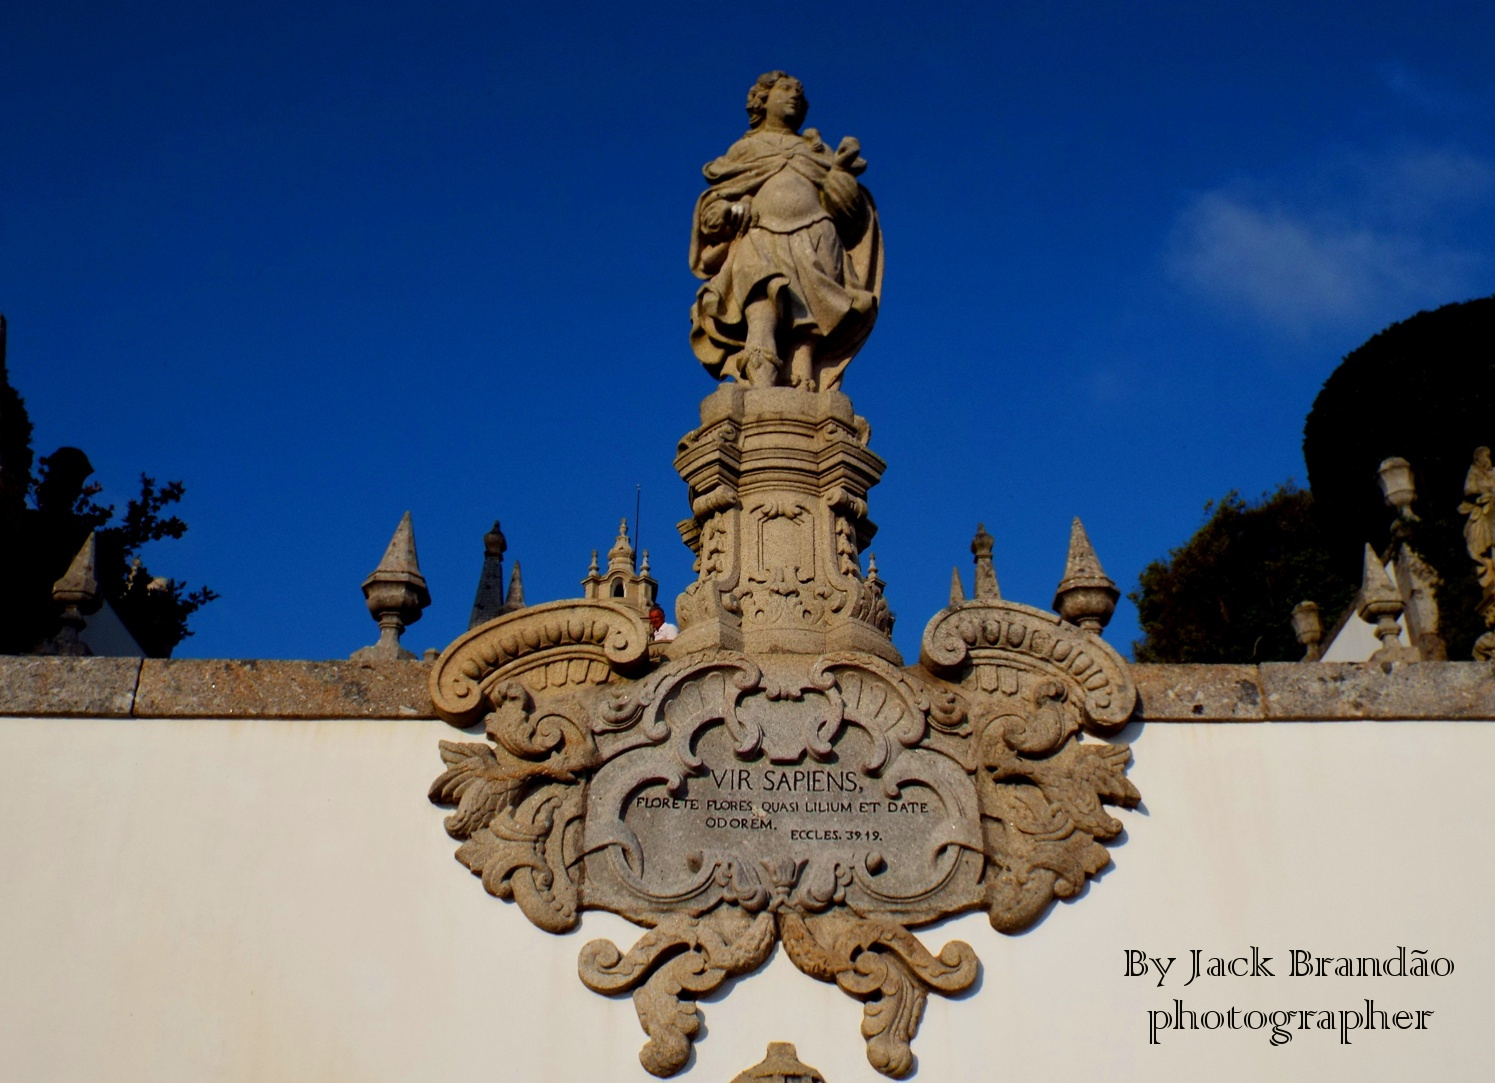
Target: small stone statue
(790, 248)
(1479, 505)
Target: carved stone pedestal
(778, 482)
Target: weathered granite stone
(76, 687)
(1181, 693)
(772, 777)
(790, 248)
(77, 592)
(1381, 603)
(1086, 596)
(196, 688)
(396, 595)
(731, 801)
(1331, 692)
(778, 481)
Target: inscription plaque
(810, 795)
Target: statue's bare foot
(802, 367)
(760, 367)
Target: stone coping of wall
(210, 688)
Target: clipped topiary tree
(1422, 389)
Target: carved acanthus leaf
(529, 852)
(679, 960)
(473, 782)
(884, 965)
(1042, 816)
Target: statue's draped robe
(817, 254)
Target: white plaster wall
(201, 901)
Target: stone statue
(1479, 505)
(788, 243)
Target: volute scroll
(970, 642)
(593, 638)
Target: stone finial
(872, 579)
(1415, 577)
(986, 575)
(489, 600)
(396, 594)
(1308, 627)
(77, 592)
(593, 571)
(620, 556)
(515, 599)
(1086, 596)
(1381, 605)
(957, 588)
(782, 1065)
(1397, 487)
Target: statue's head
(790, 99)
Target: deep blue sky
(328, 262)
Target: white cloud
(1360, 239)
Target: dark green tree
(1227, 594)
(46, 516)
(1422, 389)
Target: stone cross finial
(1381, 605)
(1086, 596)
(396, 595)
(489, 600)
(1308, 627)
(986, 575)
(78, 594)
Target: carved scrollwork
(885, 966)
(674, 799)
(680, 959)
(1041, 791)
(579, 641)
(728, 798)
(520, 804)
(973, 642)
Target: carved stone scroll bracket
(981, 644)
(670, 966)
(885, 966)
(559, 643)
